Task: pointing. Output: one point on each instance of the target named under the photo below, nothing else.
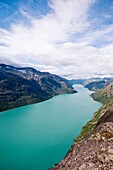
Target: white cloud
(46, 44)
(104, 33)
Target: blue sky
(102, 9)
(67, 37)
(10, 10)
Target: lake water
(37, 136)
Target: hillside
(93, 148)
(95, 85)
(22, 86)
(104, 95)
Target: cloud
(46, 43)
(102, 34)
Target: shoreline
(83, 134)
(38, 101)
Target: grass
(92, 123)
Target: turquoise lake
(36, 136)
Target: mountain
(92, 83)
(96, 84)
(22, 86)
(93, 148)
(104, 95)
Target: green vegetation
(104, 96)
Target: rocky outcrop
(93, 151)
(107, 117)
(22, 86)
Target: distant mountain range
(96, 84)
(93, 83)
(22, 86)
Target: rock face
(21, 86)
(93, 151)
(107, 117)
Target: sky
(70, 38)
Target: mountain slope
(96, 85)
(104, 95)
(21, 86)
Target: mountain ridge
(22, 86)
